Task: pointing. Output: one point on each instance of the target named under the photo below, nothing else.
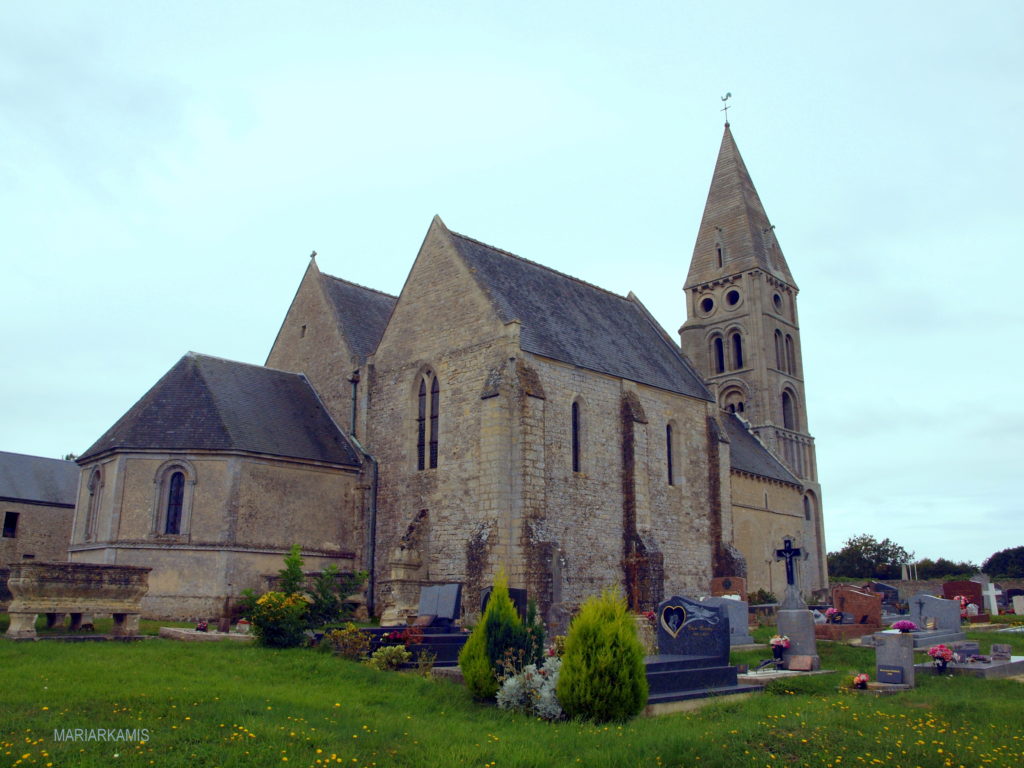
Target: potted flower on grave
(904, 626)
(834, 615)
(861, 681)
(941, 656)
(779, 645)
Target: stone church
(495, 414)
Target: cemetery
(705, 655)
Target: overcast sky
(166, 170)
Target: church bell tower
(742, 330)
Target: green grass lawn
(224, 704)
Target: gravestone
(1001, 652)
(938, 619)
(689, 628)
(1018, 605)
(729, 585)
(693, 659)
(972, 610)
(890, 595)
(894, 658)
(969, 589)
(441, 601)
(964, 649)
(861, 605)
(945, 612)
(793, 619)
(739, 630)
(1011, 593)
(517, 596)
(990, 592)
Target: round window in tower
(707, 304)
(732, 298)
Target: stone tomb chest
(77, 589)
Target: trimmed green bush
(279, 620)
(389, 657)
(602, 676)
(497, 641)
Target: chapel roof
(362, 313)
(37, 479)
(208, 403)
(748, 454)
(572, 321)
(735, 219)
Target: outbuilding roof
(34, 479)
(208, 403)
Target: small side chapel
(496, 414)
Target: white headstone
(989, 593)
(972, 609)
(1018, 605)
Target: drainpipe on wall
(354, 381)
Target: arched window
(737, 350)
(172, 511)
(808, 507)
(788, 411)
(575, 436)
(92, 511)
(790, 355)
(779, 359)
(174, 503)
(668, 455)
(718, 354)
(427, 412)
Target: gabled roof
(748, 454)
(734, 218)
(34, 479)
(362, 313)
(210, 404)
(574, 322)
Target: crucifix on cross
(787, 553)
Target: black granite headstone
(689, 628)
(887, 674)
(518, 597)
(442, 601)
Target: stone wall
(764, 512)
(245, 514)
(43, 533)
(309, 342)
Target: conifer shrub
(497, 639)
(389, 657)
(602, 676)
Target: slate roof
(35, 479)
(566, 319)
(734, 216)
(362, 313)
(748, 454)
(208, 403)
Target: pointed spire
(735, 234)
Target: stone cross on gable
(991, 592)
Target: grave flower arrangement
(905, 625)
(941, 656)
(834, 615)
(962, 599)
(861, 680)
(779, 644)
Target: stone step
(667, 662)
(701, 693)
(682, 680)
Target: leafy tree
(497, 639)
(292, 579)
(602, 676)
(944, 569)
(864, 557)
(1007, 563)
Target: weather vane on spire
(725, 100)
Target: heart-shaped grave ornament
(672, 619)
